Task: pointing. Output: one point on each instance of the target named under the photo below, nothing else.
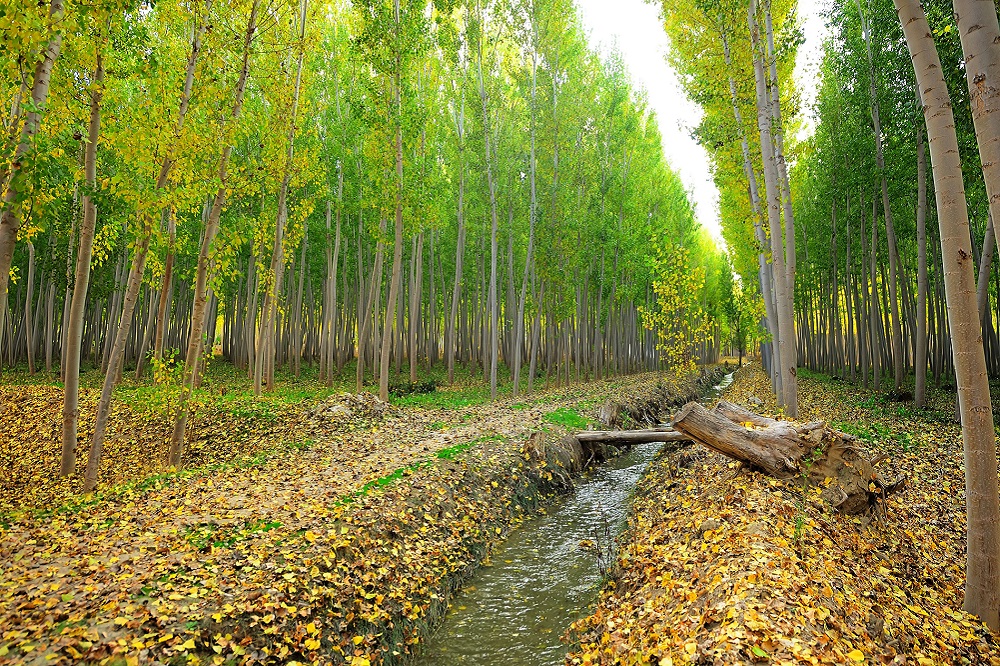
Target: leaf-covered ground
(726, 566)
(136, 446)
(340, 549)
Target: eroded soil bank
(344, 550)
(726, 566)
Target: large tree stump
(811, 453)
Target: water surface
(544, 576)
(514, 612)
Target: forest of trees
(374, 189)
(361, 189)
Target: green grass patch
(567, 417)
(381, 482)
(449, 398)
(806, 373)
(452, 452)
(449, 453)
(209, 535)
(875, 433)
(302, 445)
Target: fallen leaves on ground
(135, 448)
(727, 566)
(344, 550)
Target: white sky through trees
(634, 28)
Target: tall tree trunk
(491, 185)
(982, 586)
(451, 326)
(784, 187)
(890, 230)
(333, 286)
(166, 288)
(920, 356)
(9, 221)
(764, 274)
(266, 342)
(417, 271)
(397, 249)
(784, 298)
(369, 303)
(139, 264)
(197, 330)
(983, 275)
(873, 322)
(979, 30)
(29, 338)
(532, 213)
(50, 305)
(81, 281)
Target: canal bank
(548, 572)
(722, 565)
(414, 563)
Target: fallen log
(810, 453)
(737, 414)
(632, 436)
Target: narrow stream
(543, 577)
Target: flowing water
(545, 576)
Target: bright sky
(635, 29)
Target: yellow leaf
(188, 644)
(856, 655)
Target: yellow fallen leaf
(856, 655)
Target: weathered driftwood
(811, 453)
(632, 436)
